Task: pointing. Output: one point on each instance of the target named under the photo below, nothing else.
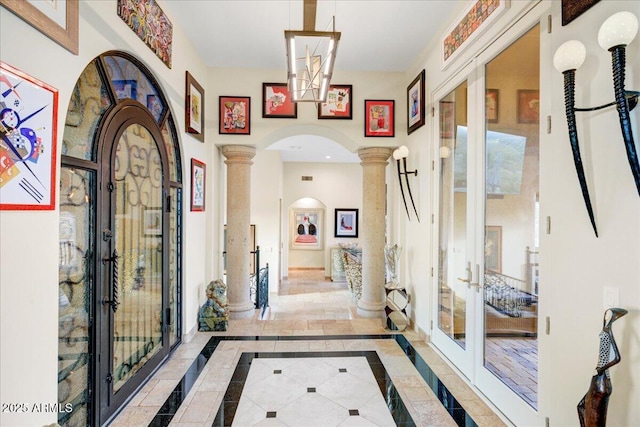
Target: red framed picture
(235, 115)
(339, 103)
(28, 126)
(198, 185)
(277, 103)
(379, 117)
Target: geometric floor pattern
(311, 320)
(332, 391)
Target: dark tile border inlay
(171, 405)
(393, 401)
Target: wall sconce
(401, 153)
(615, 34)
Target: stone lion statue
(214, 315)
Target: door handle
(113, 302)
(468, 279)
(476, 284)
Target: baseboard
(190, 335)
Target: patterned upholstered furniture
(353, 271)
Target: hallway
(280, 371)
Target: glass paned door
(511, 219)
(137, 235)
(136, 222)
(457, 280)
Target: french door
(133, 263)
(487, 227)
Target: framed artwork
(198, 183)
(571, 9)
(415, 103)
(277, 103)
(339, 103)
(346, 223)
(194, 108)
(235, 115)
(475, 18)
(152, 222)
(152, 26)
(28, 120)
(491, 105)
(493, 248)
(379, 118)
(58, 20)
(528, 106)
(307, 229)
(447, 119)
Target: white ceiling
(377, 35)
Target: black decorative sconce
(615, 34)
(401, 153)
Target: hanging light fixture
(310, 58)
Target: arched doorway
(120, 238)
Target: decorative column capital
(374, 154)
(238, 154)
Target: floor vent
(307, 178)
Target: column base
(241, 311)
(371, 310)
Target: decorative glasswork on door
(453, 272)
(137, 236)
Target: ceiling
(377, 35)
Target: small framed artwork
(28, 123)
(346, 223)
(152, 222)
(339, 103)
(447, 119)
(58, 20)
(235, 115)
(379, 118)
(194, 108)
(571, 9)
(307, 229)
(528, 106)
(415, 103)
(198, 185)
(493, 248)
(277, 103)
(491, 105)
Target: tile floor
(311, 321)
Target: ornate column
(238, 161)
(374, 162)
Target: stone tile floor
(307, 305)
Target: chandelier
(310, 58)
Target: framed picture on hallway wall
(339, 103)
(379, 118)
(277, 103)
(415, 103)
(528, 106)
(198, 185)
(235, 115)
(346, 223)
(194, 108)
(306, 229)
(58, 20)
(29, 142)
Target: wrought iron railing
(507, 294)
(259, 289)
